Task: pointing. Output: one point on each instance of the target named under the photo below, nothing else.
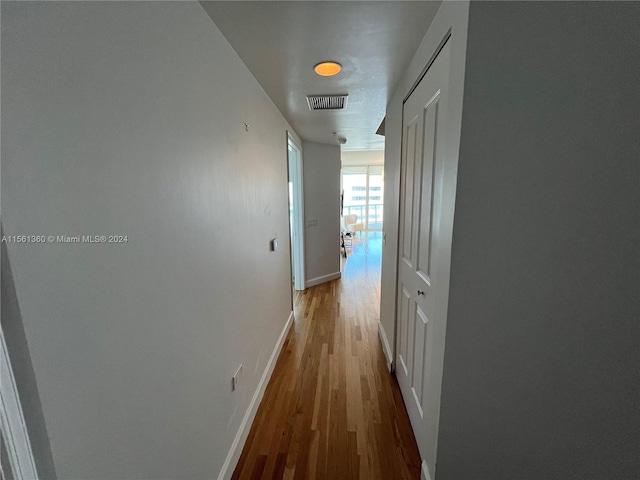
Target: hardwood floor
(331, 409)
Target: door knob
(420, 292)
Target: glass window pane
(364, 195)
(376, 199)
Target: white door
(420, 344)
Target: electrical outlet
(235, 378)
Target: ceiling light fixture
(327, 69)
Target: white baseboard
(386, 348)
(322, 279)
(243, 431)
(425, 471)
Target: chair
(351, 223)
(346, 239)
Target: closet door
(419, 286)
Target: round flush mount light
(327, 69)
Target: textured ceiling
(280, 42)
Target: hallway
(331, 409)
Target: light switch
(274, 244)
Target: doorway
(296, 213)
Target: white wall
(129, 118)
(321, 170)
(541, 366)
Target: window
(364, 193)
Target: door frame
(12, 423)
(297, 243)
(449, 26)
(425, 405)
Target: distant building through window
(358, 184)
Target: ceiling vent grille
(327, 102)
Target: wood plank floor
(331, 409)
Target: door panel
(407, 199)
(425, 222)
(420, 341)
(403, 330)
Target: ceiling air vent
(327, 102)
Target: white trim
(322, 279)
(297, 244)
(14, 429)
(424, 475)
(243, 431)
(385, 346)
